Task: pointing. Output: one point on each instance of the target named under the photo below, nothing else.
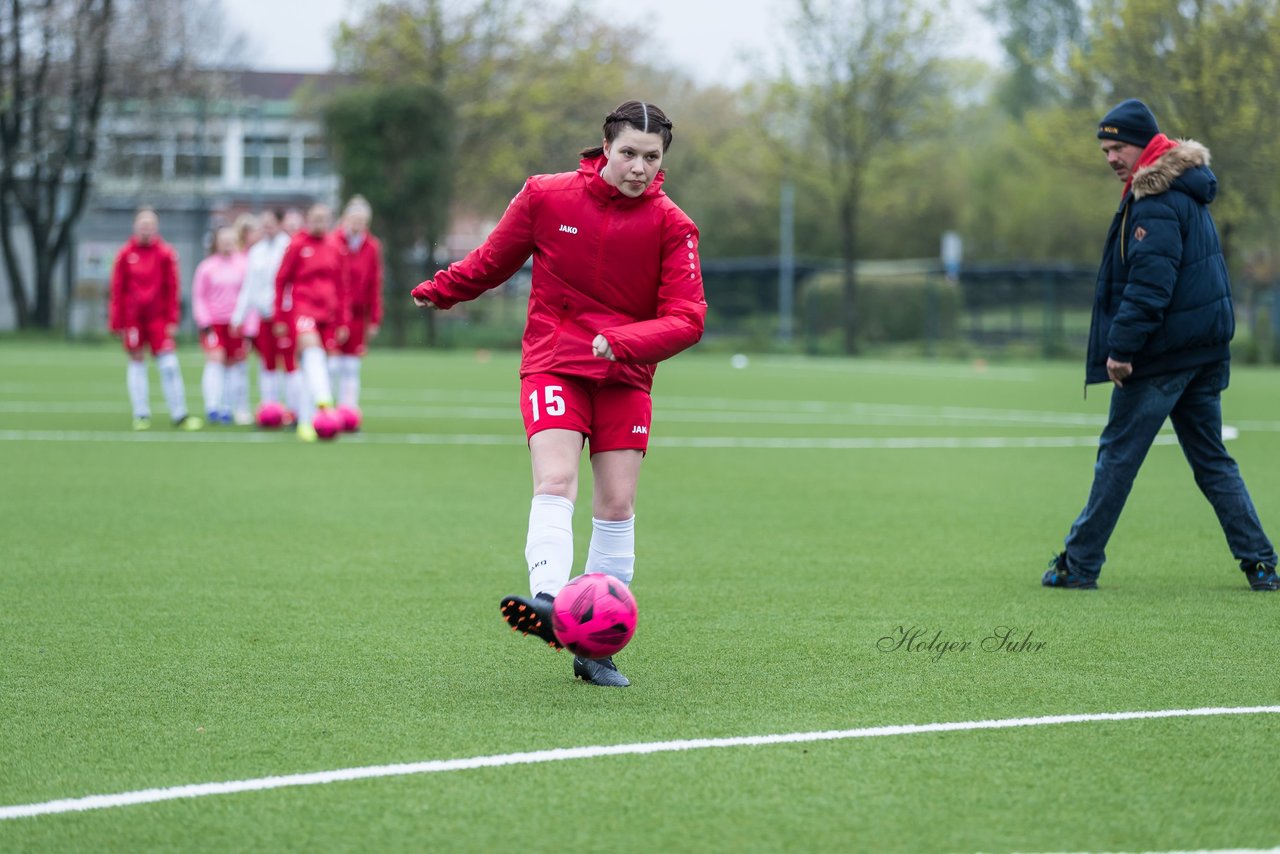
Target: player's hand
(341, 334)
(171, 330)
(373, 331)
(600, 347)
(1118, 371)
(420, 297)
(280, 329)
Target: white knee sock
(268, 386)
(316, 371)
(211, 384)
(175, 393)
(139, 388)
(613, 549)
(334, 363)
(549, 547)
(349, 389)
(306, 403)
(293, 391)
(238, 388)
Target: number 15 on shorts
(548, 400)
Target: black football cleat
(599, 671)
(1060, 574)
(531, 617)
(1261, 576)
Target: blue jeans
(1192, 400)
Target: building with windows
(200, 162)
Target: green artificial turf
(234, 604)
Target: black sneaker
(599, 671)
(531, 617)
(1060, 574)
(1261, 576)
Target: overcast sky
(706, 37)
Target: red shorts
(613, 417)
(264, 343)
(286, 345)
(328, 331)
(219, 337)
(149, 333)
(357, 338)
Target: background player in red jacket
(144, 312)
(616, 288)
(311, 308)
(362, 257)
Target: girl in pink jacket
(214, 290)
(616, 288)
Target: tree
(1038, 37)
(1198, 65)
(528, 91)
(62, 65)
(53, 75)
(868, 72)
(392, 145)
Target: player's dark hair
(644, 117)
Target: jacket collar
(1164, 161)
(603, 190)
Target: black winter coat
(1163, 298)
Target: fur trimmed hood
(1179, 162)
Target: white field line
(688, 411)
(398, 403)
(216, 437)
(201, 790)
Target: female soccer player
(214, 290)
(254, 308)
(311, 309)
(144, 313)
(616, 288)
(361, 255)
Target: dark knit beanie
(1131, 122)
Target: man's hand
(423, 302)
(600, 347)
(1118, 371)
(341, 334)
(372, 332)
(280, 329)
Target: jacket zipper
(1124, 227)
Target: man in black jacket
(1161, 332)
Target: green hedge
(901, 308)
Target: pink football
(327, 424)
(350, 416)
(270, 415)
(594, 615)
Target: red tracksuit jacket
(310, 283)
(363, 271)
(144, 284)
(603, 263)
